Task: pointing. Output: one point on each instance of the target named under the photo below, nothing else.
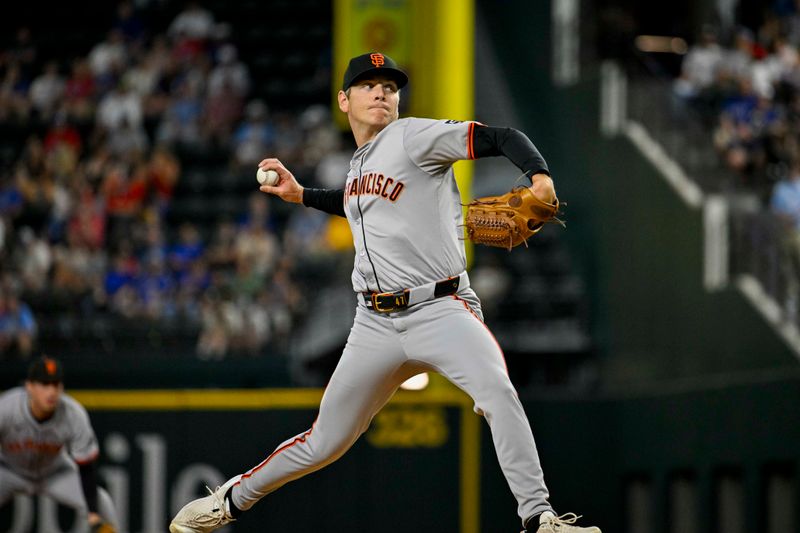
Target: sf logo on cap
(377, 59)
(50, 366)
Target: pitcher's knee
(496, 399)
(327, 450)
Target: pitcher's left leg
(448, 335)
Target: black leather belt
(387, 302)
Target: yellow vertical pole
(442, 79)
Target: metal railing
(681, 129)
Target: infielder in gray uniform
(415, 309)
(48, 446)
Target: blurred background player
(48, 447)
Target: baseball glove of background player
(102, 527)
(509, 220)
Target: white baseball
(270, 177)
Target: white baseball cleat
(205, 514)
(550, 523)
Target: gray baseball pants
(446, 335)
(63, 485)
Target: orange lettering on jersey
(386, 184)
(377, 59)
(47, 448)
(376, 184)
(395, 194)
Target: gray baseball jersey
(404, 210)
(403, 205)
(35, 449)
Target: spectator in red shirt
(124, 190)
(79, 91)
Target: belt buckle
(399, 300)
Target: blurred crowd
(85, 202)
(744, 81)
(747, 89)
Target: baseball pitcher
(415, 309)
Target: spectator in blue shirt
(17, 326)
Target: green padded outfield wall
(595, 451)
(417, 465)
(417, 469)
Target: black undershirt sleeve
(513, 144)
(88, 473)
(328, 200)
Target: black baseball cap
(370, 64)
(46, 370)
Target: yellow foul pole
(443, 71)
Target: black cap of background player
(46, 370)
(371, 64)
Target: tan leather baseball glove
(509, 220)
